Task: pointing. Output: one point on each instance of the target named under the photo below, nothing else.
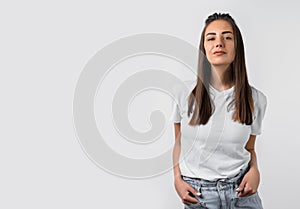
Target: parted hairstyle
(242, 99)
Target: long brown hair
(200, 96)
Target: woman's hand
(184, 190)
(250, 182)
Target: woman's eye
(210, 39)
(228, 38)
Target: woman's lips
(219, 53)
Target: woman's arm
(250, 146)
(176, 151)
(251, 180)
(183, 189)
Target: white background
(45, 45)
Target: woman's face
(219, 43)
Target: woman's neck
(221, 77)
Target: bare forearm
(176, 151)
(176, 154)
(250, 147)
(253, 161)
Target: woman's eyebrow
(213, 33)
(210, 34)
(224, 32)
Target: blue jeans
(222, 194)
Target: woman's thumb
(241, 186)
(194, 191)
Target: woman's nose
(219, 43)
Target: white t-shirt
(217, 149)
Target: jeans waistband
(232, 180)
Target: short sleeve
(176, 116)
(180, 93)
(176, 110)
(260, 104)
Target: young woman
(216, 120)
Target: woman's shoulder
(258, 96)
